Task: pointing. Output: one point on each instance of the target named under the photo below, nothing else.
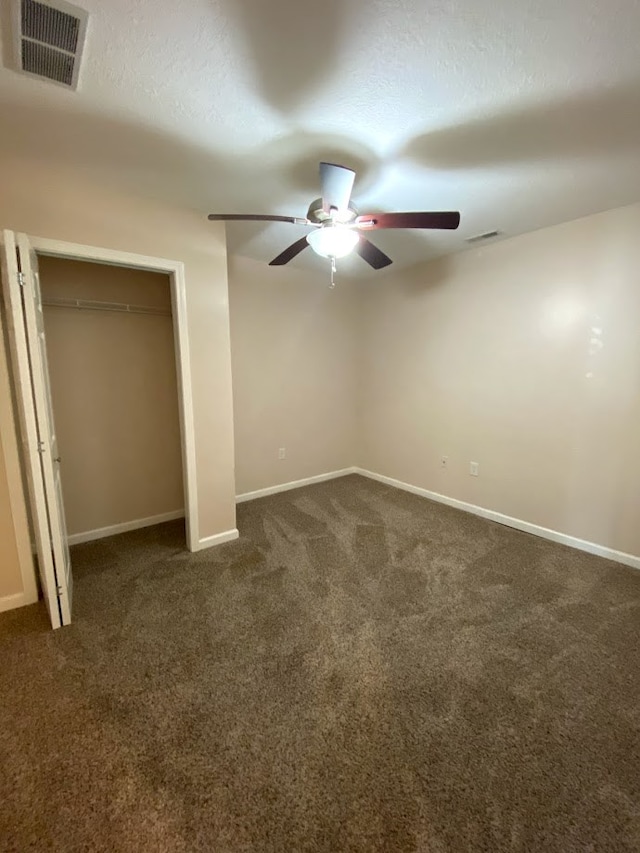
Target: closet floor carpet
(364, 670)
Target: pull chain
(333, 273)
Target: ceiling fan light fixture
(333, 241)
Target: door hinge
(41, 447)
(21, 278)
(59, 591)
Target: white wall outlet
(282, 453)
(474, 469)
(444, 461)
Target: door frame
(11, 450)
(175, 271)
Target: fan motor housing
(318, 214)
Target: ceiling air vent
(479, 238)
(49, 38)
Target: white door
(29, 359)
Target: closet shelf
(93, 305)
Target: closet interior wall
(114, 391)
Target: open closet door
(29, 360)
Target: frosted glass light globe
(332, 241)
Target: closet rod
(93, 305)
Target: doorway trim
(175, 271)
(10, 450)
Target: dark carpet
(364, 670)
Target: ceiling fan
(338, 228)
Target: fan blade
(445, 220)
(256, 217)
(372, 254)
(290, 253)
(337, 183)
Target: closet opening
(119, 374)
(112, 373)
(113, 378)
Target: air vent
(488, 235)
(48, 39)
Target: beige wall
(17, 580)
(294, 373)
(63, 204)
(523, 356)
(115, 398)
(10, 578)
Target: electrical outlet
(444, 461)
(282, 453)
(474, 469)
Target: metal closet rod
(93, 305)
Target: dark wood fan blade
(372, 254)
(256, 217)
(290, 253)
(336, 183)
(443, 220)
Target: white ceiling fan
(338, 228)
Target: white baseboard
(508, 521)
(125, 527)
(217, 539)
(295, 484)
(19, 599)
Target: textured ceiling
(518, 113)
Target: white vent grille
(48, 39)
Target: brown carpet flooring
(363, 671)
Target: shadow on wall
(587, 125)
(294, 46)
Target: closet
(112, 370)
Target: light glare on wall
(562, 313)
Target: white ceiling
(518, 113)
